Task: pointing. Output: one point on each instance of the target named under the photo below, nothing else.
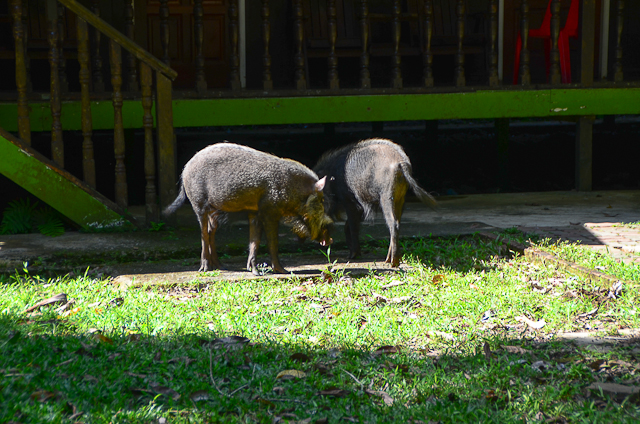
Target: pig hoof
(280, 270)
(255, 272)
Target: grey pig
(366, 176)
(227, 177)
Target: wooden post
(428, 34)
(267, 82)
(587, 38)
(554, 55)
(365, 75)
(151, 205)
(525, 75)
(460, 12)
(25, 26)
(396, 79)
(88, 162)
(132, 71)
(166, 141)
(234, 37)
(198, 29)
(164, 30)
(57, 145)
(24, 124)
(115, 56)
(332, 60)
(298, 30)
(62, 66)
(618, 75)
(494, 80)
(96, 58)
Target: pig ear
(320, 184)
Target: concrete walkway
(593, 218)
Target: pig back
(231, 177)
(370, 166)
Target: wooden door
(182, 46)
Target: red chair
(570, 30)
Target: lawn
(467, 332)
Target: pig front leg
(352, 230)
(270, 224)
(255, 233)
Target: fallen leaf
(199, 395)
(442, 334)
(437, 278)
(514, 349)
(299, 357)
(102, 338)
(167, 391)
(333, 392)
(58, 298)
(68, 361)
(91, 378)
(596, 365)
(388, 400)
(266, 402)
(290, 374)
(617, 391)
(42, 395)
(533, 324)
(386, 349)
(394, 283)
(486, 348)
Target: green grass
(443, 341)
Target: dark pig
(227, 177)
(364, 177)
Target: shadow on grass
(53, 377)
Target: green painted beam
(56, 187)
(482, 104)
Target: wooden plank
(481, 104)
(56, 187)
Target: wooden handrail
(128, 44)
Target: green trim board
(481, 104)
(56, 187)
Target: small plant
(156, 226)
(22, 217)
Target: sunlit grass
(136, 354)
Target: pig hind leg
(352, 229)
(392, 203)
(255, 233)
(208, 225)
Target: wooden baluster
(88, 162)
(428, 34)
(267, 83)
(57, 146)
(235, 40)
(164, 30)
(617, 65)
(332, 29)
(298, 30)
(460, 12)
(166, 141)
(115, 59)
(96, 58)
(494, 79)
(365, 75)
(149, 154)
(198, 18)
(554, 54)
(25, 27)
(525, 75)
(396, 81)
(62, 69)
(24, 125)
(132, 71)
